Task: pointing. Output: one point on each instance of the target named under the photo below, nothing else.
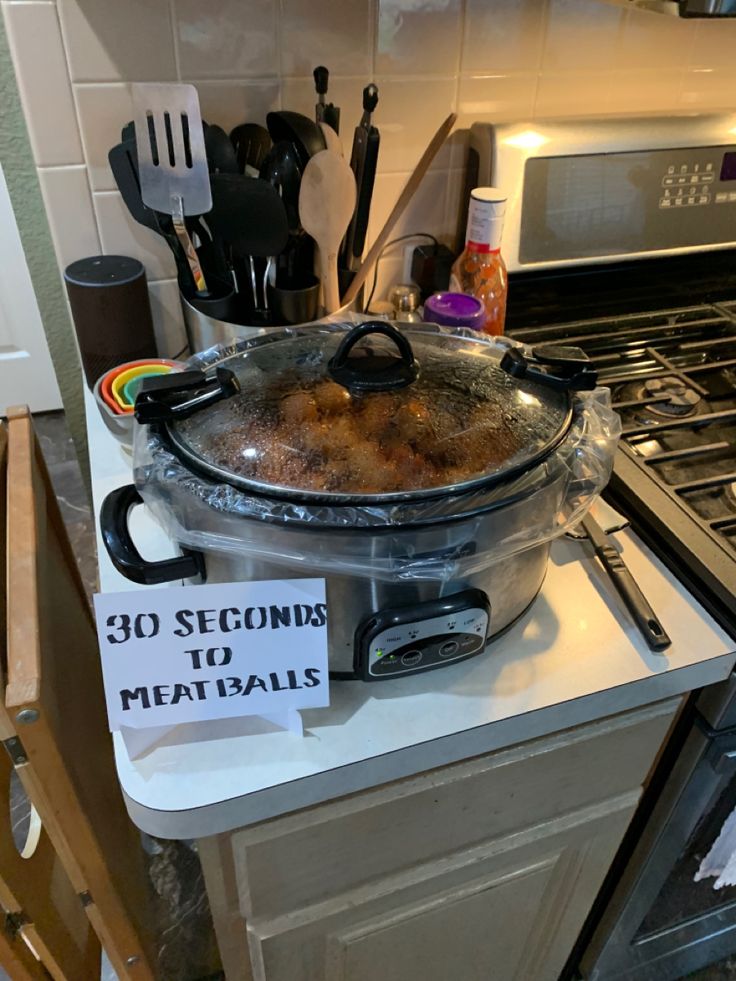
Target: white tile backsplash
(582, 93)
(68, 203)
(708, 88)
(489, 98)
(484, 59)
(503, 35)
(338, 35)
(418, 37)
(713, 45)
(230, 103)
(425, 212)
(581, 35)
(650, 90)
(651, 41)
(410, 111)
(168, 321)
(227, 38)
(118, 40)
(120, 235)
(40, 64)
(103, 111)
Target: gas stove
(620, 238)
(672, 375)
(622, 241)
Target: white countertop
(573, 657)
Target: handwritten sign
(193, 653)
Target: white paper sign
(194, 653)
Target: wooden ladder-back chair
(44, 932)
(55, 706)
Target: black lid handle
(180, 394)
(375, 371)
(566, 369)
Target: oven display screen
(728, 167)
(627, 203)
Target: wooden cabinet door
(509, 909)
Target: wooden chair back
(54, 699)
(45, 933)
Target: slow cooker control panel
(409, 639)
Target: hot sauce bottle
(480, 269)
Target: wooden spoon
(332, 139)
(326, 205)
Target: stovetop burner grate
(672, 376)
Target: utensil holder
(205, 329)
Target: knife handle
(646, 619)
(321, 80)
(365, 192)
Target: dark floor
(61, 459)
(723, 971)
(187, 949)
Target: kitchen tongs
(638, 606)
(363, 161)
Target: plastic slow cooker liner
(427, 538)
(337, 414)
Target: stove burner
(681, 400)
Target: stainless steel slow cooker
(422, 472)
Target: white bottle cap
(486, 212)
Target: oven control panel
(410, 639)
(689, 184)
(598, 205)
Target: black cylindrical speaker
(111, 311)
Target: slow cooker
(423, 472)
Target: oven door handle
(125, 556)
(721, 752)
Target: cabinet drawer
(290, 862)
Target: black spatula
(221, 157)
(124, 165)
(251, 142)
(249, 216)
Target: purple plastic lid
(455, 310)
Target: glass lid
(366, 412)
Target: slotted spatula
(172, 162)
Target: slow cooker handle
(374, 373)
(566, 369)
(125, 556)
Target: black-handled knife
(363, 161)
(636, 602)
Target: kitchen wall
(28, 207)
(486, 59)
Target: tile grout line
(374, 32)
(543, 30)
(78, 118)
(173, 26)
(279, 14)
